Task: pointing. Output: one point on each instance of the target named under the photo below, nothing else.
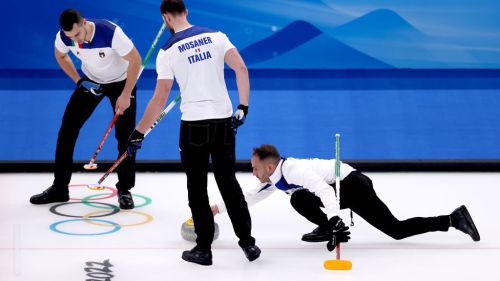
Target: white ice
(29, 250)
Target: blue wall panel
(400, 80)
(396, 115)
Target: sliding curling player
(310, 183)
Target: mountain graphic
(387, 36)
(382, 23)
(301, 45)
(246, 22)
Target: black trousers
(78, 110)
(357, 194)
(200, 140)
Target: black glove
(239, 116)
(134, 142)
(90, 87)
(340, 233)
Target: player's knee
(296, 199)
(394, 233)
(397, 236)
(303, 197)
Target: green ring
(85, 200)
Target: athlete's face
(77, 33)
(262, 169)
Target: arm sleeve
(163, 68)
(253, 196)
(121, 43)
(309, 180)
(226, 45)
(59, 44)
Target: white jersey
(195, 57)
(292, 174)
(101, 58)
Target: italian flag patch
(80, 45)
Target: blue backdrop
(304, 34)
(399, 81)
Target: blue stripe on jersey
(190, 32)
(103, 36)
(65, 39)
(282, 184)
(265, 187)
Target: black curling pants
(78, 110)
(357, 194)
(200, 140)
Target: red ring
(114, 192)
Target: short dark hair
(267, 151)
(68, 18)
(174, 7)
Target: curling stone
(187, 230)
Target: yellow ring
(149, 218)
(190, 222)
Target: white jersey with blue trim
(101, 58)
(293, 174)
(195, 57)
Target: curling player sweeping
(110, 64)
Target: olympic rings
(114, 209)
(149, 218)
(110, 209)
(114, 192)
(86, 200)
(53, 227)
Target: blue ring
(53, 227)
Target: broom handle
(337, 178)
(125, 154)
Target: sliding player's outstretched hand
(340, 233)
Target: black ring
(114, 208)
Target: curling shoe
(461, 220)
(51, 195)
(195, 255)
(125, 200)
(252, 252)
(319, 234)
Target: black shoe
(51, 195)
(461, 220)
(252, 252)
(125, 199)
(203, 257)
(319, 234)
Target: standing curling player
(195, 56)
(110, 64)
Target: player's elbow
(241, 69)
(133, 57)
(137, 58)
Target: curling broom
(337, 264)
(92, 165)
(98, 185)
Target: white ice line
(267, 248)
